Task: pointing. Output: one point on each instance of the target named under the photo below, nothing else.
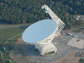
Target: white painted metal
(45, 45)
(39, 31)
(54, 17)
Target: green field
(0, 59)
(5, 34)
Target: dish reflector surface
(39, 31)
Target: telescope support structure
(46, 46)
(54, 17)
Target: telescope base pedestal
(45, 48)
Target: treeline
(29, 11)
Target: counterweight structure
(55, 18)
(46, 46)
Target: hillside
(29, 11)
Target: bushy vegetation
(81, 60)
(29, 11)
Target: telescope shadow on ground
(26, 50)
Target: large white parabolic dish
(39, 31)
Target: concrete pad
(76, 42)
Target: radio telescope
(42, 32)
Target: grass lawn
(1, 59)
(7, 33)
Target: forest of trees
(29, 11)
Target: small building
(79, 17)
